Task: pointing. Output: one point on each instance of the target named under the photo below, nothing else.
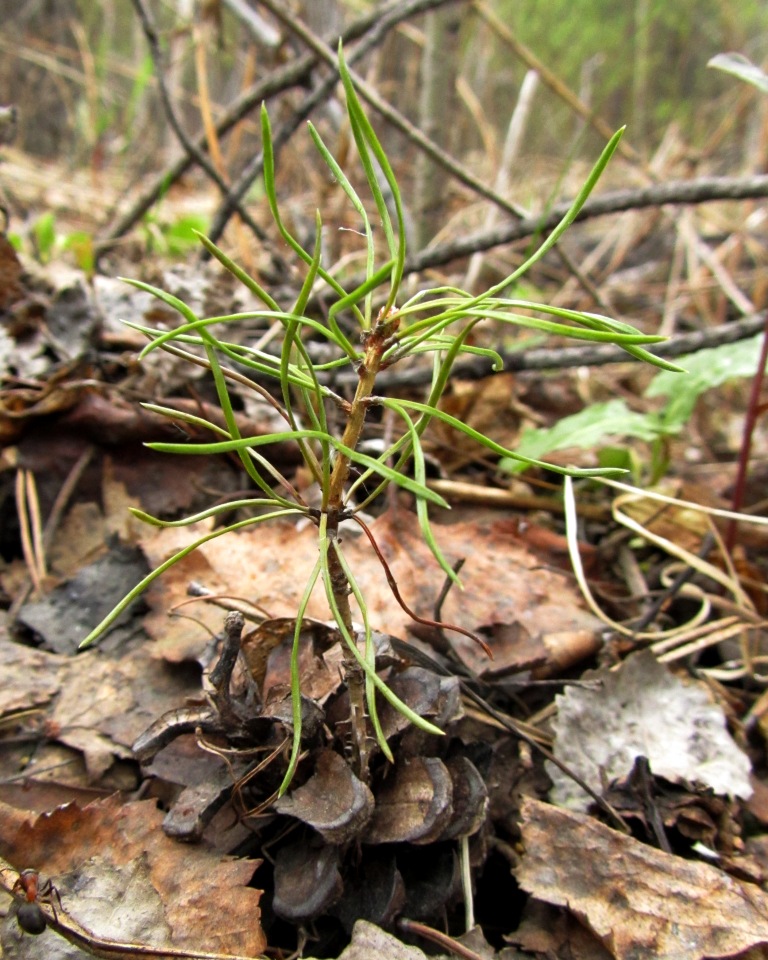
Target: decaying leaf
(194, 886)
(642, 709)
(553, 932)
(271, 565)
(639, 901)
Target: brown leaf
(488, 406)
(197, 888)
(333, 800)
(31, 678)
(267, 652)
(553, 932)
(639, 901)
(503, 582)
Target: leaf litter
(341, 850)
(642, 709)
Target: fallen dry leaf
(204, 902)
(553, 932)
(639, 901)
(31, 678)
(643, 709)
(370, 941)
(504, 583)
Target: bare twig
(194, 151)
(378, 22)
(702, 190)
(457, 948)
(558, 358)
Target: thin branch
(323, 51)
(195, 152)
(378, 21)
(371, 95)
(702, 190)
(555, 358)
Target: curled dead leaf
(639, 901)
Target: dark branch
(192, 149)
(654, 195)
(556, 358)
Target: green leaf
(586, 430)
(703, 370)
(369, 671)
(293, 243)
(44, 231)
(183, 233)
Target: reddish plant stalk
(753, 410)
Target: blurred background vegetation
(85, 86)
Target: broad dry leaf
(639, 901)
(31, 678)
(504, 583)
(643, 709)
(205, 901)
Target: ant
(29, 914)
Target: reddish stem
(753, 410)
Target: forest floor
(601, 788)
